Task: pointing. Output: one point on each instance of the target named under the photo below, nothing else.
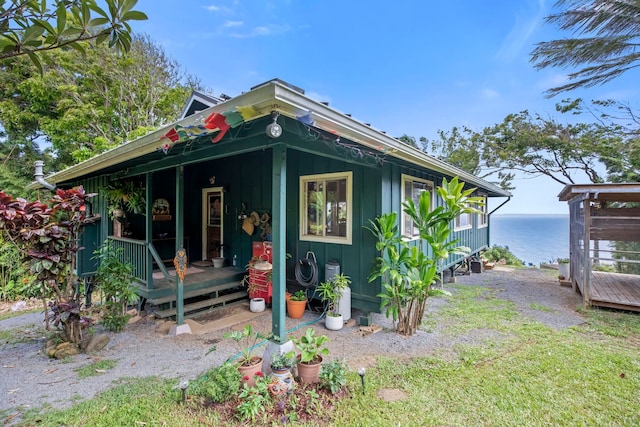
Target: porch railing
(137, 252)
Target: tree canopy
(605, 41)
(28, 27)
(84, 104)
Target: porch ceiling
(278, 96)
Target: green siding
(246, 178)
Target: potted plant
(311, 348)
(123, 195)
(296, 304)
(563, 268)
(247, 340)
(282, 382)
(330, 293)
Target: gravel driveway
(30, 379)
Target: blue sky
(406, 67)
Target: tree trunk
(72, 329)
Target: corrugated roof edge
(291, 101)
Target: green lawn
(523, 374)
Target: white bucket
(256, 305)
(218, 262)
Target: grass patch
(146, 401)
(98, 368)
(522, 373)
(474, 307)
(540, 307)
(21, 334)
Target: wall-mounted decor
(161, 210)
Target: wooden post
(180, 262)
(148, 229)
(278, 278)
(586, 295)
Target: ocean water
(532, 238)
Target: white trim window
(326, 207)
(463, 222)
(483, 216)
(412, 188)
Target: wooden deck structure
(615, 290)
(599, 215)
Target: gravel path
(30, 379)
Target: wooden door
(212, 223)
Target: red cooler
(260, 272)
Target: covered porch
(605, 243)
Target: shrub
(496, 253)
(114, 279)
(218, 384)
(333, 376)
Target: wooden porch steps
(193, 309)
(171, 298)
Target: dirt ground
(30, 379)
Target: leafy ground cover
(521, 373)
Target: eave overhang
(277, 96)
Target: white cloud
(231, 24)
(524, 26)
(214, 8)
(262, 31)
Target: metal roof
(291, 102)
(606, 192)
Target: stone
(134, 319)
(97, 343)
(391, 394)
(180, 329)
(85, 342)
(66, 349)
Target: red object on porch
(260, 280)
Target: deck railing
(137, 253)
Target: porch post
(148, 234)
(279, 198)
(179, 239)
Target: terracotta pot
(248, 372)
(309, 373)
(295, 309)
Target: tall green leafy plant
(114, 279)
(408, 272)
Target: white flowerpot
(563, 270)
(257, 305)
(334, 323)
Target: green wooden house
(312, 175)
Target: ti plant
(48, 237)
(409, 270)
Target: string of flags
(215, 122)
(220, 123)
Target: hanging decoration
(215, 122)
(222, 122)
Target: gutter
(500, 205)
(279, 97)
(39, 175)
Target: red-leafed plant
(47, 235)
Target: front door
(212, 223)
